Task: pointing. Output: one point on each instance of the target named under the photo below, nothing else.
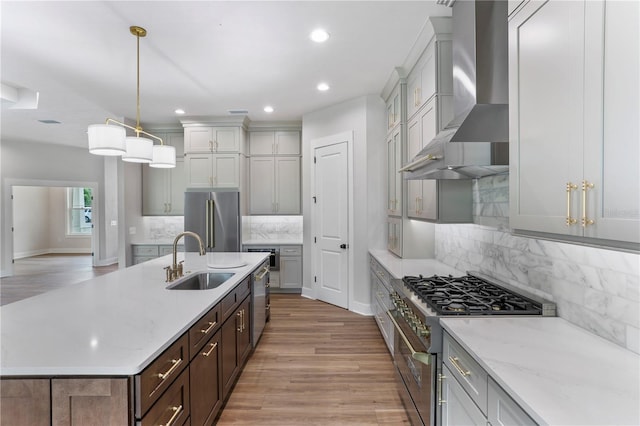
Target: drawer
(173, 406)
(504, 410)
(145, 250)
(201, 331)
(157, 377)
(466, 370)
(233, 299)
(382, 294)
(380, 272)
(290, 251)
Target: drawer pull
(239, 318)
(455, 362)
(213, 346)
(176, 363)
(207, 330)
(264, 272)
(176, 412)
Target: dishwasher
(259, 301)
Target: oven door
(417, 370)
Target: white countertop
(400, 267)
(557, 372)
(273, 242)
(114, 324)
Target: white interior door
(331, 230)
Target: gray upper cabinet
(574, 133)
(163, 189)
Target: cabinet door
(394, 182)
(244, 332)
(612, 136)
(290, 272)
(198, 139)
(394, 237)
(154, 191)
(90, 401)
(25, 402)
(287, 185)
(457, 407)
(428, 199)
(206, 388)
(393, 108)
(229, 362)
(226, 139)
(414, 187)
(226, 172)
(262, 185)
(199, 170)
(546, 97)
(176, 140)
(177, 186)
(287, 143)
(262, 143)
(503, 410)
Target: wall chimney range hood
(475, 143)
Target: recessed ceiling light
(319, 35)
(179, 111)
(268, 108)
(323, 87)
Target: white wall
(365, 117)
(31, 221)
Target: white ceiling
(206, 57)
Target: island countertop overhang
(112, 325)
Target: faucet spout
(175, 271)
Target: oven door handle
(422, 357)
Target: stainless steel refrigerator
(215, 216)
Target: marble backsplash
(158, 229)
(272, 228)
(594, 288)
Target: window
(79, 202)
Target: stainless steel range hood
(475, 143)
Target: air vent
(238, 112)
(49, 121)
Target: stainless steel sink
(201, 281)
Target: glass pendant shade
(164, 156)
(139, 150)
(106, 140)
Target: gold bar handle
(585, 186)
(176, 412)
(264, 272)
(441, 378)
(422, 357)
(176, 363)
(213, 346)
(239, 318)
(455, 361)
(211, 325)
(570, 187)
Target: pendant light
(110, 138)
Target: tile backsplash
(596, 289)
(158, 229)
(272, 228)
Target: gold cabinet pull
(176, 363)
(208, 329)
(441, 378)
(585, 186)
(264, 272)
(176, 412)
(239, 318)
(455, 361)
(570, 187)
(422, 357)
(213, 346)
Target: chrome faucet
(175, 271)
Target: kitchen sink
(201, 281)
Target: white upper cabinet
(163, 189)
(212, 171)
(274, 143)
(394, 179)
(574, 139)
(211, 139)
(394, 105)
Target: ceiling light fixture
(319, 35)
(323, 87)
(108, 139)
(268, 108)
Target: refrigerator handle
(210, 225)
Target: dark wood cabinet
(206, 388)
(244, 333)
(236, 344)
(25, 402)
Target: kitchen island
(117, 325)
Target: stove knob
(424, 331)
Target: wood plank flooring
(316, 364)
(39, 274)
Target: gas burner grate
(469, 295)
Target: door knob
(343, 246)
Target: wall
(365, 117)
(29, 163)
(31, 221)
(594, 288)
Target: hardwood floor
(316, 364)
(39, 274)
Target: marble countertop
(273, 242)
(114, 324)
(398, 267)
(558, 373)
